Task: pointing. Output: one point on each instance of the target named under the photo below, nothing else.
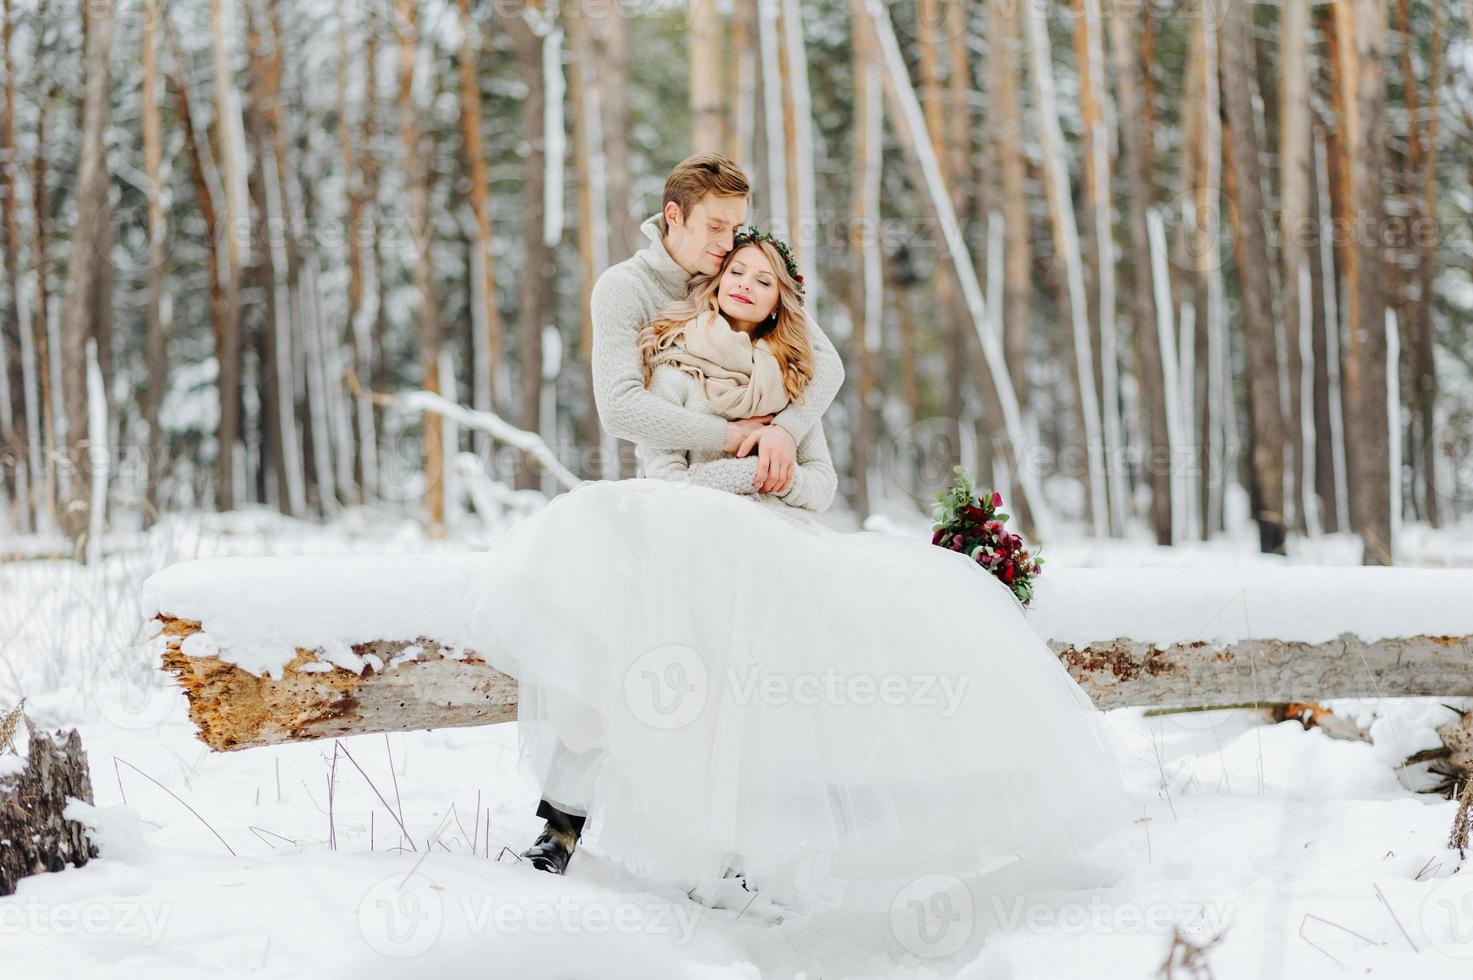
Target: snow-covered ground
(1309, 856)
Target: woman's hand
(739, 432)
(777, 454)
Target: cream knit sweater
(629, 295)
(814, 480)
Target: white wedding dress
(715, 684)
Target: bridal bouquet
(974, 525)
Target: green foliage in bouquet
(975, 526)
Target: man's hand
(737, 432)
(776, 456)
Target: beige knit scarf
(737, 377)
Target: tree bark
(424, 689)
(526, 31)
(1066, 243)
(486, 310)
(85, 270)
(1295, 246)
(37, 837)
(1266, 464)
(421, 227)
(1369, 439)
(1137, 166)
(158, 261)
(229, 134)
(708, 77)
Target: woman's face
(747, 292)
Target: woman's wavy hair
(786, 330)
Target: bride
(725, 684)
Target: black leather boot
(554, 847)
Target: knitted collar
(658, 257)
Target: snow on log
(1200, 636)
(272, 650)
(34, 788)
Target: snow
(1298, 603)
(258, 610)
(1292, 844)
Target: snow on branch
(482, 421)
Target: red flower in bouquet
(974, 525)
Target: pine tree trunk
(866, 296)
(593, 230)
(708, 77)
(1368, 433)
(1149, 377)
(420, 223)
(1294, 246)
(1423, 142)
(486, 311)
(230, 137)
(158, 261)
(536, 256)
(1266, 464)
(84, 270)
(1066, 244)
(14, 414)
(1005, 123)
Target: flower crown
(748, 236)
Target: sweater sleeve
(625, 407)
(667, 385)
(828, 376)
(814, 480)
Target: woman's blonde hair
(785, 330)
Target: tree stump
(34, 836)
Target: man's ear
(673, 215)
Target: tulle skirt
(719, 687)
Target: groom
(705, 201)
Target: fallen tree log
(34, 788)
(404, 686)
(1116, 673)
(292, 649)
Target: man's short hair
(696, 176)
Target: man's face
(700, 240)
